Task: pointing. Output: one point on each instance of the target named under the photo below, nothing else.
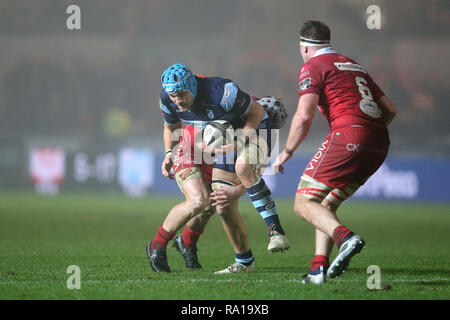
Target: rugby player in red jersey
(358, 113)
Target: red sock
(318, 261)
(190, 237)
(162, 238)
(339, 234)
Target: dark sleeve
(235, 100)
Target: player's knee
(244, 171)
(298, 211)
(241, 168)
(300, 207)
(199, 204)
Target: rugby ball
(215, 133)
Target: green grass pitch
(105, 235)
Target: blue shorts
(223, 165)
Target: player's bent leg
(320, 262)
(309, 204)
(348, 242)
(197, 200)
(324, 243)
(186, 243)
(232, 221)
(313, 212)
(234, 227)
(247, 166)
(194, 188)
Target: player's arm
(300, 124)
(169, 142)
(242, 105)
(254, 117)
(168, 135)
(388, 108)
(171, 123)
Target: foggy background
(98, 87)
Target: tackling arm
(301, 121)
(169, 129)
(300, 124)
(254, 116)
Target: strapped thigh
(337, 196)
(186, 174)
(318, 191)
(313, 189)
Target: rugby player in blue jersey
(189, 102)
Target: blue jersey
(217, 99)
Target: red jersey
(347, 94)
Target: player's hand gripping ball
(215, 133)
(275, 109)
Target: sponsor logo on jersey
(370, 108)
(210, 113)
(305, 84)
(352, 147)
(349, 66)
(317, 156)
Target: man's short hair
(316, 30)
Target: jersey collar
(327, 50)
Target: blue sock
(245, 258)
(263, 202)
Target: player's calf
(263, 202)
